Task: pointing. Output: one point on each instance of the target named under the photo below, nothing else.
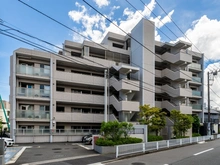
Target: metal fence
(127, 149)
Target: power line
(95, 42)
(180, 29)
(84, 36)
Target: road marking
(99, 163)
(203, 151)
(84, 147)
(60, 160)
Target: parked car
(8, 141)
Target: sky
(198, 22)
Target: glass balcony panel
(30, 70)
(196, 106)
(33, 114)
(195, 66)
(196, 93)
(31, 92)
(196, 79)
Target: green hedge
(109, 142)
(152, 138)
(195, 134)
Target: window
(78, 110)
(45, 108)
(117, 45)
(77, 54)
(60, 129)
(85, 110)
(45, 90)
(60, 69)
(60, 89)
(60, 109)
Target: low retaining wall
(105, 149)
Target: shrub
(154, 138)
(195, 134)
(104, 142)
(110, 142)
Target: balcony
(79, 98)
(31, 92)
(195, 67)
(31, 114)
(196, 79)
(79, 78)
(79, 117)
(33, 71)
(196, 106)
(196, 93)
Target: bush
(110, 142)
(195, 134)
(152, 138)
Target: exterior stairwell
(176, 75)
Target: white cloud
(214, 85)
(101, 3)
(205, 35)
(96, 27)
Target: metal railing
(128, 149)
(32, 114)
(31, 92)
(196, 93)
(196, 79)
(55, 131)
(33, 71)
(195, 66)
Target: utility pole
(214, 73)
(208, 126)
(106, 97)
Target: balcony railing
(33, 71)
(195, 66)
(196, 106)
(31, 114)
(56, 131)
(30, 92)
(196, 93)
(196, 79)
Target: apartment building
(58, 97)
(7, 112)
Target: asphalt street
(203, 154)
(76, 154)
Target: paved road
(202, 154)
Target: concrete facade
(64, 94)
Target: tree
(115, 130)
(196, 124)
(153, 117)
(182, 122)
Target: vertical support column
(143, 147)
(157, 145)
(51, 100)
(105, 109)
(208, 126)
(13, 108)
(168, 143)
(181, 141)
(116, 151)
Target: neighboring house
(7, 110)
(55, 95)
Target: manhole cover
(38, 154)
(56, 149)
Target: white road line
(203, 151)
(96, 164)
(84, 147)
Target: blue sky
(199, 20)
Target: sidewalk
(12, 154)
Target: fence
(127, 149)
